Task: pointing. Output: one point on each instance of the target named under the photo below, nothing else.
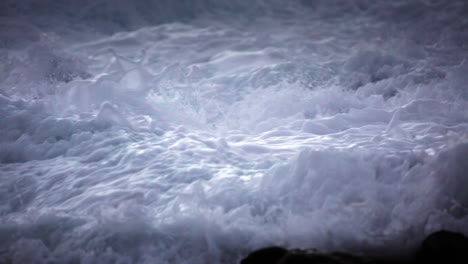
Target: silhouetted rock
(269, 255)
(439, 247)
(444, 247)
(278, 255)
(315, 257)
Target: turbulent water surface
(196, 131)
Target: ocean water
(196, 131)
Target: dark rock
(440, 247)
(444, 247)
(278, 255)
(301, 256)
(348, 258)
(269, 255)
(298, 257)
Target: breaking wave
(195, 132)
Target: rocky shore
(439, 247)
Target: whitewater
(197, 131)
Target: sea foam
(177, 132)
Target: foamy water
(174, 132)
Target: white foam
(198, 142)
